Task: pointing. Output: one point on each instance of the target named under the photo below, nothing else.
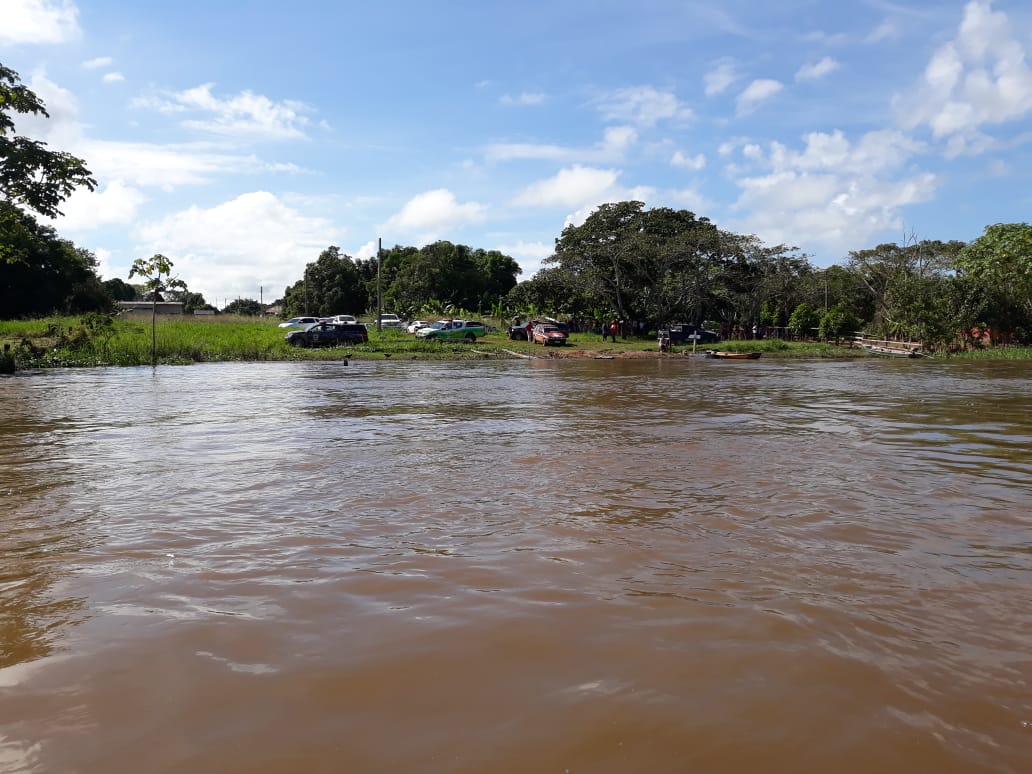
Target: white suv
(391, 321)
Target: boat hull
(732, 355)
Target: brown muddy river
(533, 566)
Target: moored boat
(719, 355)
(875, 349)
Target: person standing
(614, 328)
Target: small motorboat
(732, 355)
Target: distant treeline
(625, 261)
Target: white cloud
(756, 92)
(695, 162)
(39, 21)
(811, 72)
(364, 252)
(571, 187)
(529, 255)
(113, 203)
(96, 64)
(826, 38)
(169, 166)
(719, 79)
(525, 99)
(432, 213)
(141, 164)
(246, 114)
(692, 199)
(980, 78)
(875, 152)
(113, 77)
(250, 241)
(644, 105)
(616, 140)
(887, 30)
(831, 193)
(104, 267)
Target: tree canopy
(32, 175)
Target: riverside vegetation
(101, 340)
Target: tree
(1001, 262)
(157, 270)
(119, 290)
(837, 322)
(30, 174)
(642, 264)
(332, 284)
(41, 273)
(244, 306)
(191, 301)
(803, 321)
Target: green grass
(52, 343)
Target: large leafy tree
(332, 284)
(1000, 263)
(41, 273)
(247, 307)
(903, 281)
(31, 174)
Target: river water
(671, 565)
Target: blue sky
(241, 139)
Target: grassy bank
(65, 341)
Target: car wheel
(471, 338)
(299, 342)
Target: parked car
(452, 329)
(328, 335)
(390, 321)
(548, 334)
(342, 319)
(297, 322)
(520, 331)
(415, 325)
(684, 333)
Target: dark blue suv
(326, 334)
(684, 333)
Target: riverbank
(69, 342)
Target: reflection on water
(665, 565)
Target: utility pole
(379, 295)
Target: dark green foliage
(40, 273)
(244, 306)
(663, 266)
(30, 174)
(1002, 259)
(334, 284)
(803, 321)
(441, 274)
(119, 290)
(837, 323)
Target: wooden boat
(732, 355)
(875, 349)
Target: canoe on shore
(732, 355)
(892, 351)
